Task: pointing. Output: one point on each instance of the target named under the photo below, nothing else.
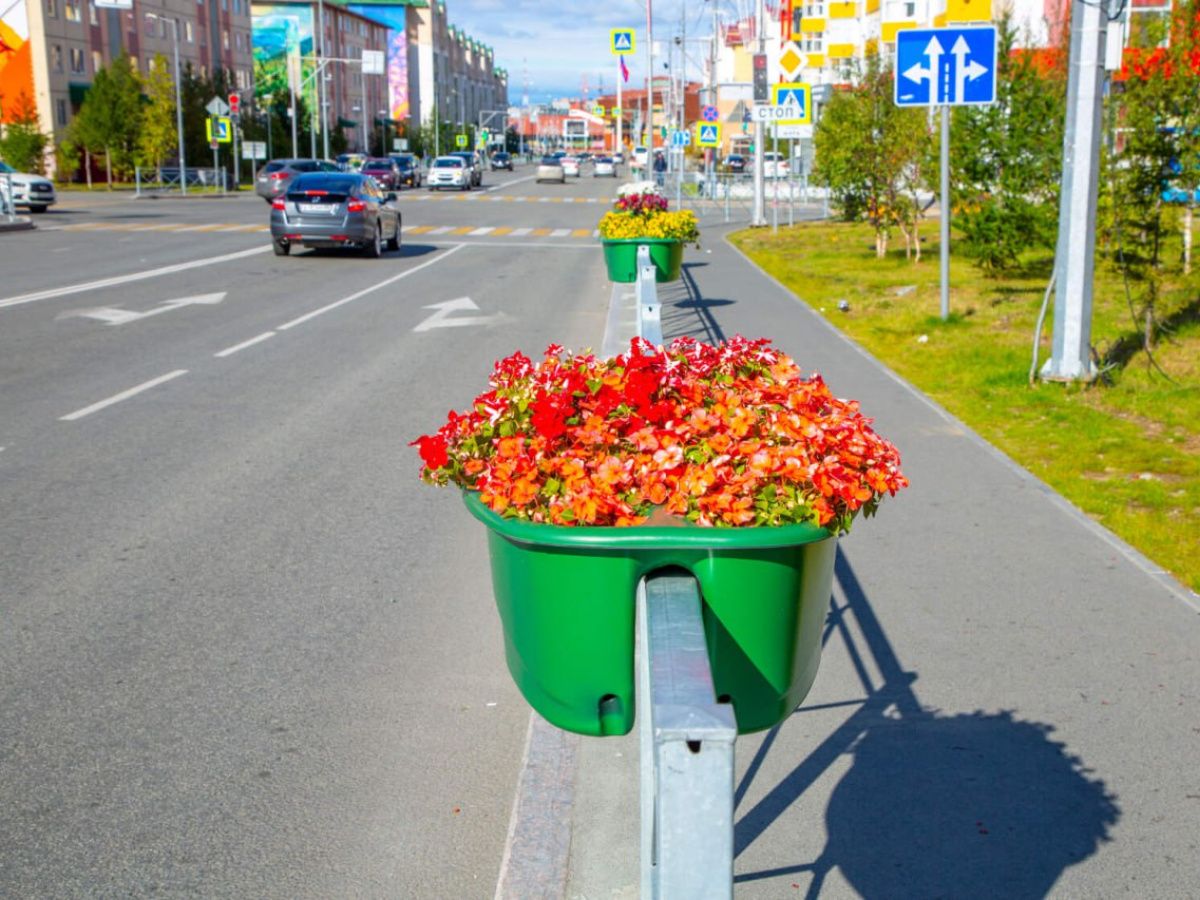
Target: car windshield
(448, 162)
(403, 161)
(500, 156)
(322, 182)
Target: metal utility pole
(179, 110)
(648, 134)
(1075, 254)
(321, 87)
(757, 218)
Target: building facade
(50, 50)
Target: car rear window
(329, 183)
(444, 163)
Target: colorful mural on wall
(16, 60)
(283, 46)
(397, 54)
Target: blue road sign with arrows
(945, 66)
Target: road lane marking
(521, 232)
(124, 395)
(324, 309)
(441, 317)
(126, 279)
(465, 229)
(229, 351)
(561, 232)
(541, 232)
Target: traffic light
(235, 105)
(762, 91)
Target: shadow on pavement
(968, 805)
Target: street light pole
(179, 110)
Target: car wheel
(37, 209)
(374, 247)
(394, 242)
(281, 248)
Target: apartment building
(50, 50)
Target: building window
(93, 14)
(151, 24)
(78, 61)
(52, 8)
(74, 12)
(188, 35)
(225, 39)
(97, 61)
(60, 111)
(56, 58)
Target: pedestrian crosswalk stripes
(421, 230)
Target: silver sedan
(335, 210)
(550, 169)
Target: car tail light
(278, 176)
(278, 204)
(355, 206)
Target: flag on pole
(624, 68)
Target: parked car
(774, 165)
(34, 192)
(474, 163)
(384, 170)
(618, 158)
(449, 171)
(502, 160)
(735, 163)
(570, 165)
(604, 165)
(335, 209)
(410, 169)
(550, 169)
(273, 179)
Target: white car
(34, 192)
(774, 165)
(604, 165)
(570, 165)
(450, 172)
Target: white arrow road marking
(442, 317)
(115, 316)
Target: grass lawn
(1125, 449)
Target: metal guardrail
(687, 749)
(7, 207)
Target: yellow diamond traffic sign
(792, 60)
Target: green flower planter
(567, 600)
(620, 255)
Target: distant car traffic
(410, 169)
(335, 209)
(34, 192)
(550, 169)
(502, 160)
(774, 165)
(570, 165)
(384, 170)
(449, 171)
(604, 165)
(274, 178)
(735, 163)
(474, 163)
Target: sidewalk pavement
(1008, 698)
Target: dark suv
(410, 169)
(502, 160)
(272, 180)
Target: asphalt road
(245, 653)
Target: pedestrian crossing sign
(622, 40)
(219, 128)
(797, 95)
(708, 134)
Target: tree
(1006, 157)
(24, 145)
(868, 152)
(159, 132)
(110, 117)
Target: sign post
(946, 67)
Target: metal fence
(728, 197)
(171, 180)
(7, 207)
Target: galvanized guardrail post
(649, 310)
(687, 749)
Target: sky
(549, 46)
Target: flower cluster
(721, 435)
(640, 212)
